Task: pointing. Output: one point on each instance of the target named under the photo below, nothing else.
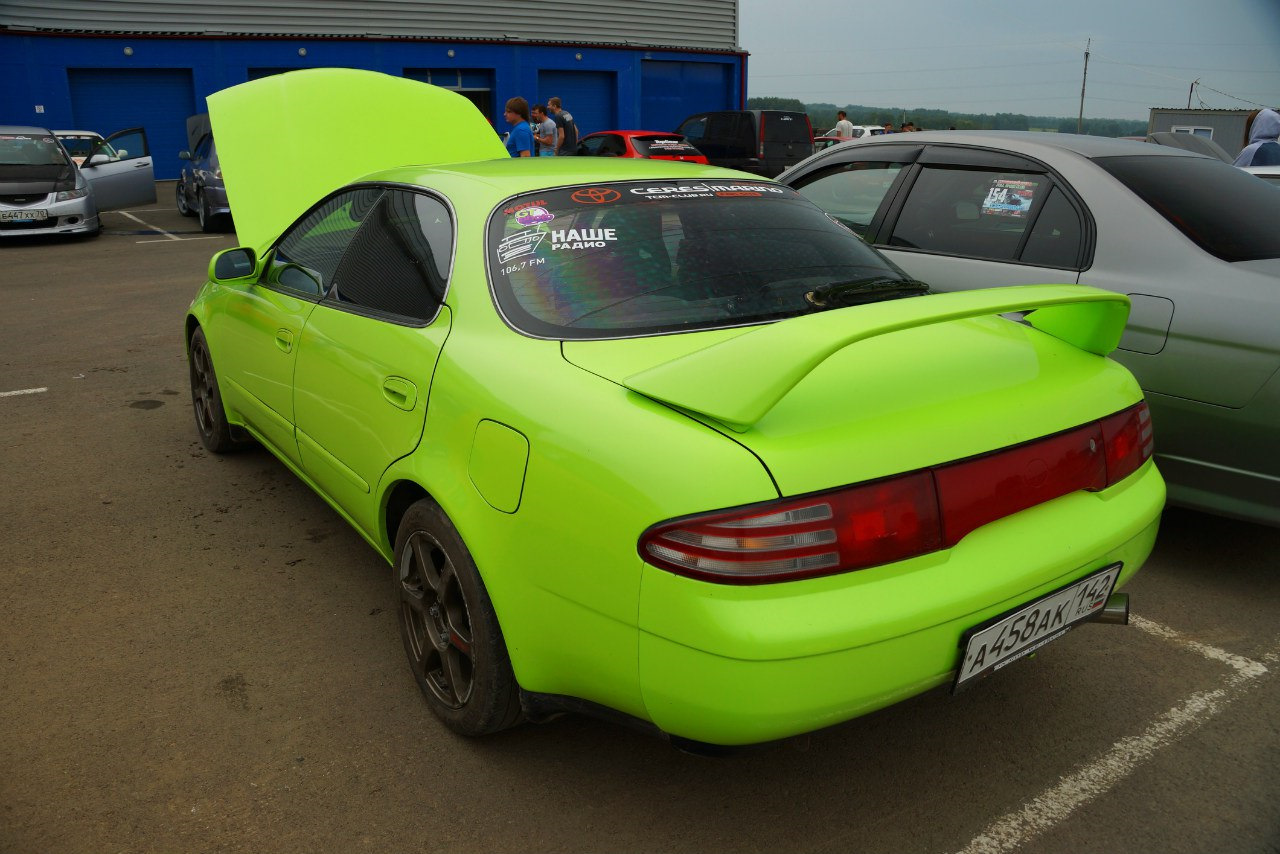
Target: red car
(655, 145)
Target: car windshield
(1226, 211)
(30, 150)
(629, 259)
(663, 146)
(78, 146)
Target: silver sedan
(1191, 240)
(43, 191)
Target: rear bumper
(739, 665)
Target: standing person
(520, 140)
(844, 127)
(544, 132)
(566, 128)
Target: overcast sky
(1015, 56)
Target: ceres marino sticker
(692, 191)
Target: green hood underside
(286, 141)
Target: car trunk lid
(865, 392)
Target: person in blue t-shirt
(520, 140)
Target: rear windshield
(787, 127)
(1226, 211)
(663, 146)
(629, 259)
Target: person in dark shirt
(566, 128)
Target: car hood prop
(342, 124)
(737, 381)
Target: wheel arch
(402, 495)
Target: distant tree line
(823, 117)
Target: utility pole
(1189, 91)
(1080, 120)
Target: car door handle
(400, 393)
(284, 340)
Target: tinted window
(852, 192)
(695, 128)
(590, 145)
(637, 258)
(976, 213)
(1227, 212)
(786, 127)
(1056, 236)
(398, 262)
(307, 256)
(663, 146)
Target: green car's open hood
(287, 140)
(738, 380)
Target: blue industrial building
(129, 63)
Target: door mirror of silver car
(231, 264)
(97, 160)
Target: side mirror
(97, 160)
(184, 155)
(230, 264)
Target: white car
(79, 143)
(44, 191)
(1270, 174)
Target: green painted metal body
(553, 457)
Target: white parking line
(150, 226)
(202, 237)
(23, 391)
(1075, 790)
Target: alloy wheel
(436, 621)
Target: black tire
(209, 223)
(211, 419)
(180, 194)
(450, 631)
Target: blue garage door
(591, 97)
(673, 91)
(110, 99)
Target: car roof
(1030, 142)
(24, 129)
(92, 133)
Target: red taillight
(871, 524)
(864, 525)
(1127, 435)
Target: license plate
(1028, 627)
(23, 216)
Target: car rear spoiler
(738, 381)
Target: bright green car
(658, 441)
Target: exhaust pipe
(1116, 611)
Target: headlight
(68, 195)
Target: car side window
(695, 128)
(852, 192)
(1056, 236)
(398, 263)
(202, 148)
(970, 212)
(612, 146)
(305, 260)
(591, 146)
